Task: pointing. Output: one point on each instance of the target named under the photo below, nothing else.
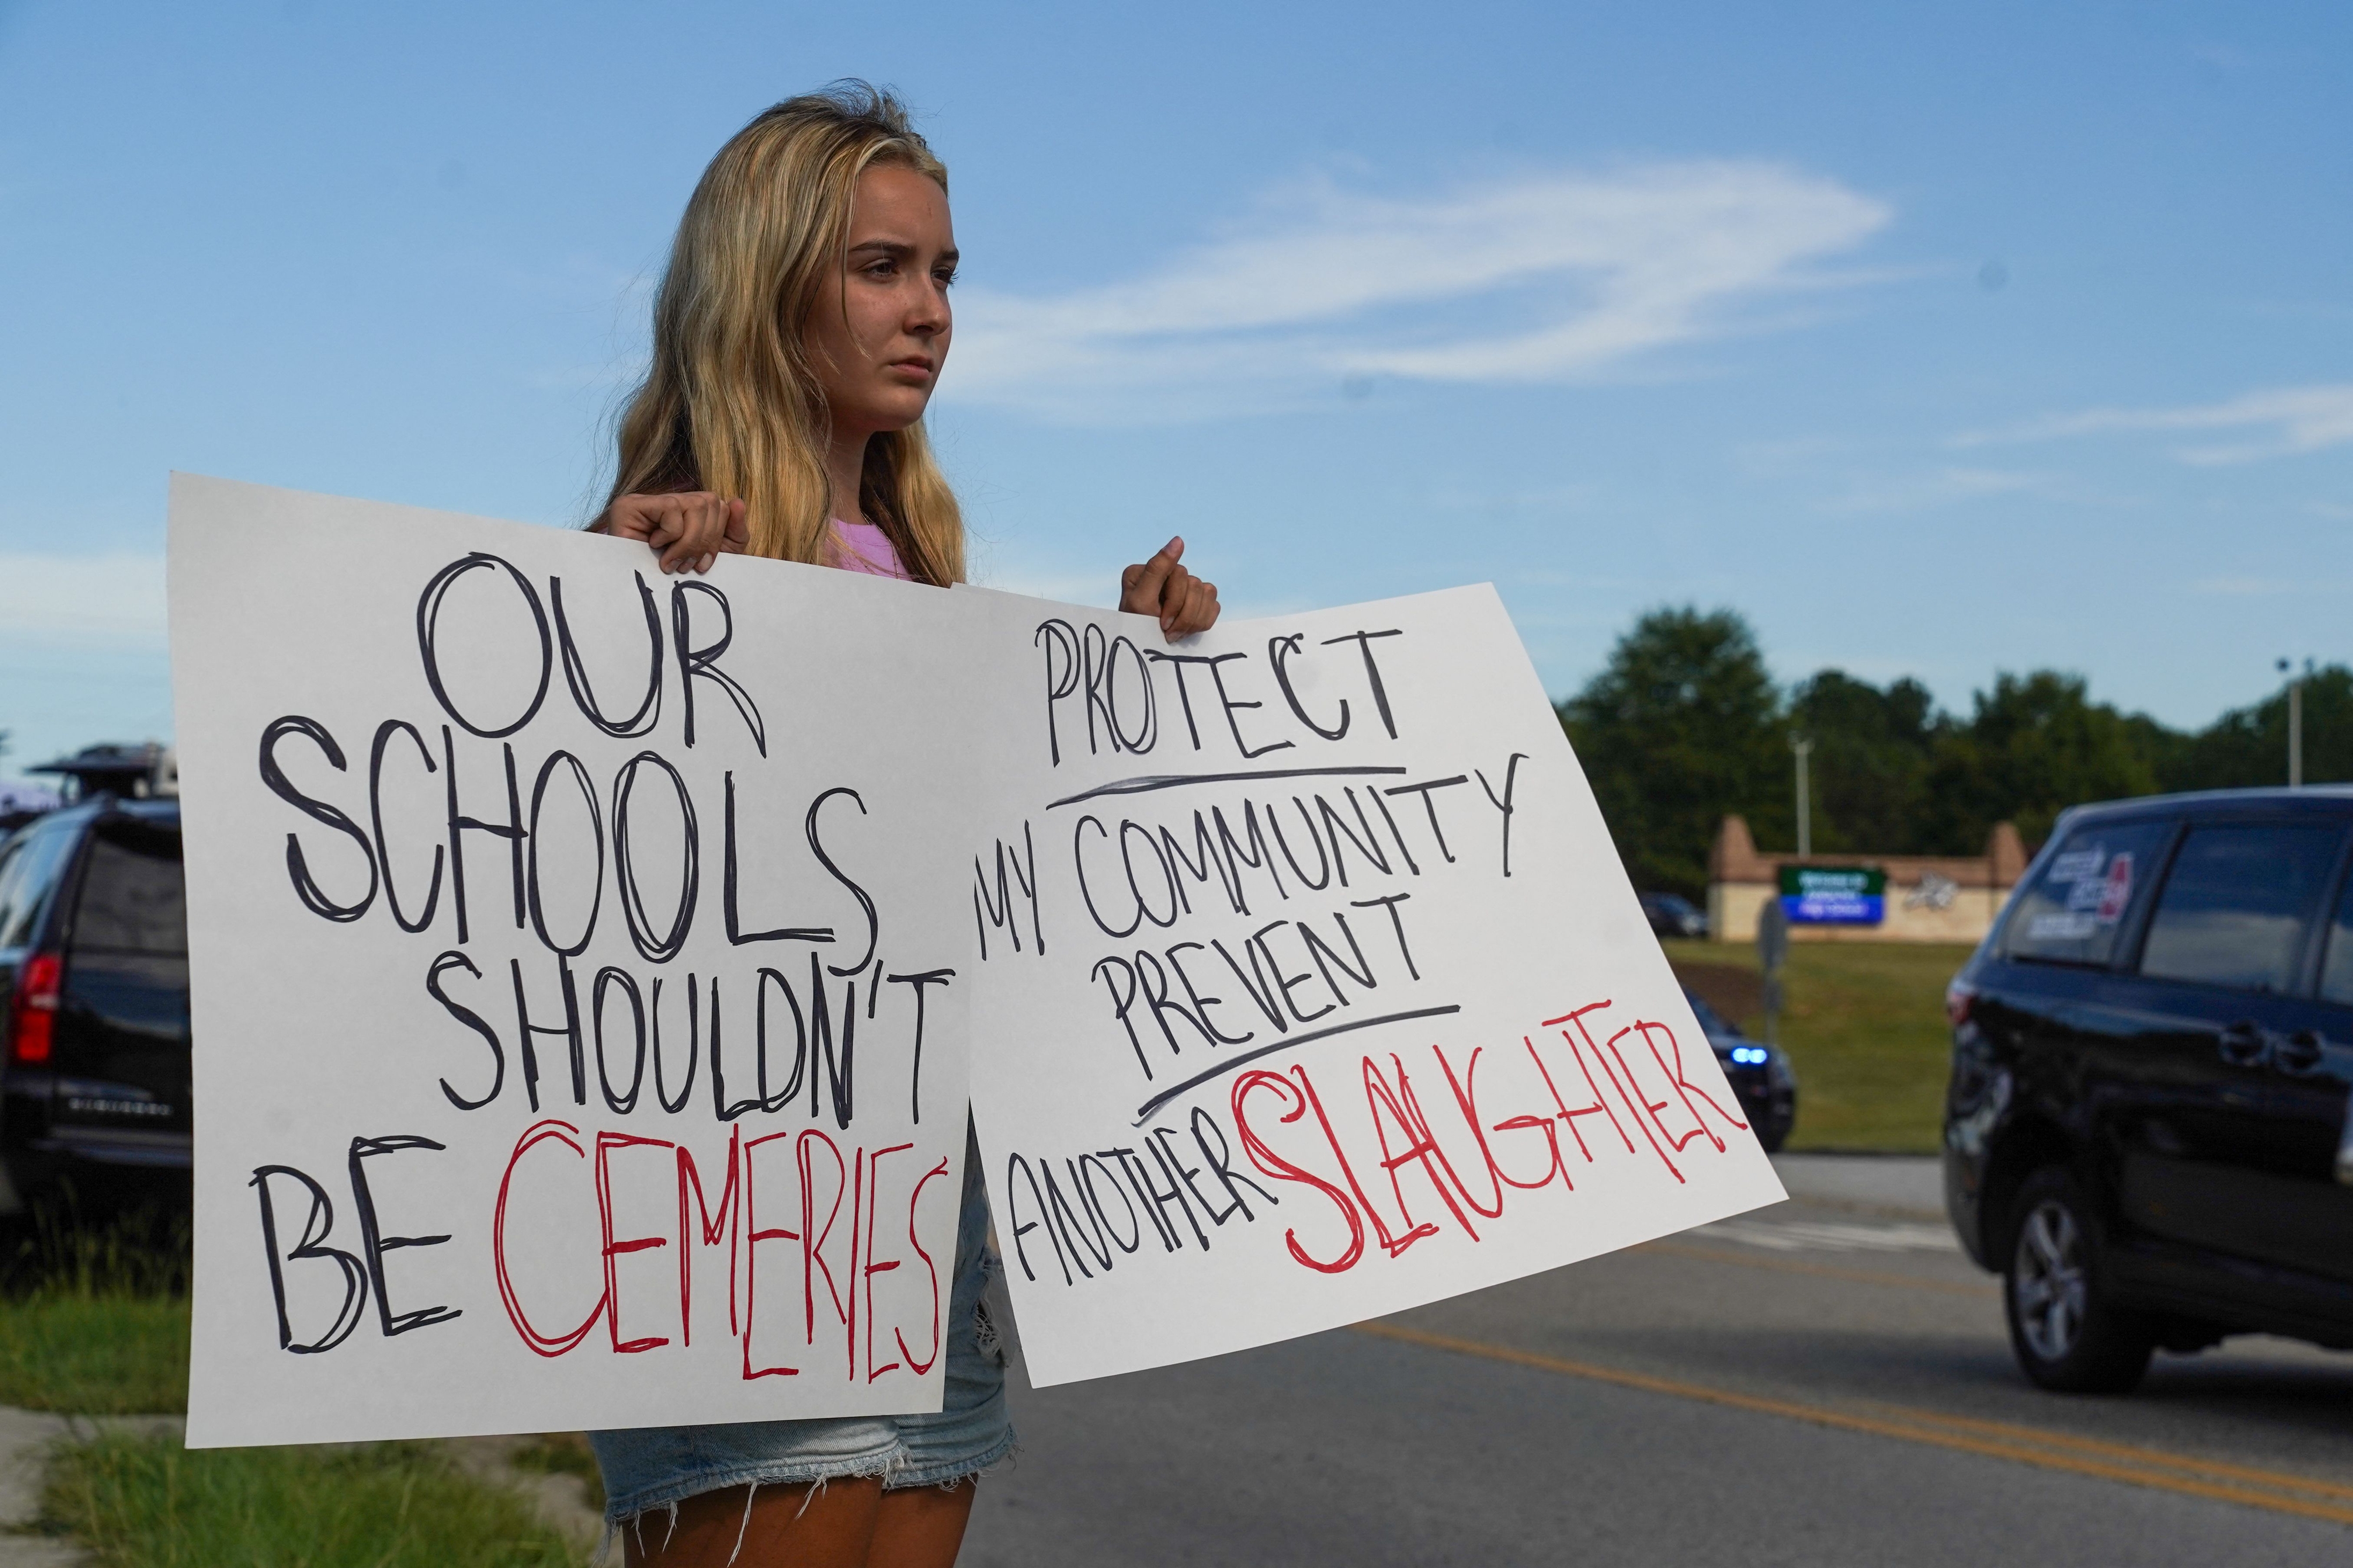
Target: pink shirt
(865, 548)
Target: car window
(2072, 912)
(2336, 969)
(133, 896)
(2238, 903)
(1710, 1021)
(33, 863)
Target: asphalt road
(1821, 1383)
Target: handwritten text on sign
(1309, 987)
(588, 966)
(578, 996)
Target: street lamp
(2296, 722)
(1801, 748)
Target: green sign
(1798, 881)
(1833, 895)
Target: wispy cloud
(2282, 422)
(67, 601)
(1941, 486)
(1544, 278)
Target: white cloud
(1544, 278)
(1943, 486)
(2283, 422)
(114, 601)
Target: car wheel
(2066, 1332)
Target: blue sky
(1938, 339)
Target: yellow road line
(2126, 1451)
(1820, 1270)
(1943, 1434)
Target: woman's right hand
(688, 530)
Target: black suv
(94, 1005)
(2147, 1128)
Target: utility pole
(2296, 723)
(1772, 951)
(1802, 748)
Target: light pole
(1802, 748)
(2296, 723)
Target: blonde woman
(800, 328)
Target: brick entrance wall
(1930, 898)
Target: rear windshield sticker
(2117, 891)
(2078, 865)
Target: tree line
(1685, 724)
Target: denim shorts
(648, 1467)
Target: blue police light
(1751, 1055)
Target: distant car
(1672, 914)
(2146, 1132)
(94, 1005)
(1759, 1074)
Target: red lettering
(1380, 1228)
(1282, 1169)
(1466, 1101)
(1599, 1102)
(922, 1368)
(689, 1177)
(874, 1164)
(538, 1132)
(813, 1240)
(1377, 1095)
(1631, 1093)
(606, 1143)
(752, 1236)
(1683, 1086)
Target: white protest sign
(577, 967)
(1309, 986)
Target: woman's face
(879, 341)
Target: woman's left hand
(1161, 588)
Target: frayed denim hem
(624, 1512)
(954, 1472)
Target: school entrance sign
(588, 969)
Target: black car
(1759, 1074)
(94, 1005)
(2146, 1130)
(1672, 914)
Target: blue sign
(1833, 895)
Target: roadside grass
(96, 1318)
(147, 1502)
(1864, 1026)
(564, 1454)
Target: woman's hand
(688, 531)
(1161, 588)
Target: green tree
(1869, 771)
(1682, 725)
(2036, 744)
(2247, 747)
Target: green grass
(1864, 1025)
(103, 1353)
(146, 1502)
(564, 1454)
(95, 1319)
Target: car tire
(2065, 1328)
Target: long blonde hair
(731, 402)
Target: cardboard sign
(576, 988)
(587, 966)
(1309, 986)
